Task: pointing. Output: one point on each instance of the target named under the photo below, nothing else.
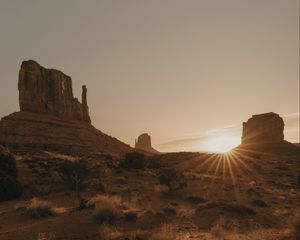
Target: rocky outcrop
(143, 143)
(264, 133)
(262, 128)
(49, 91)
(51, 119)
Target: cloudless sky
(175, 69)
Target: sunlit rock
(51, 119)
(262, 128)
(264, 133)
(143, 142)
(43, 90)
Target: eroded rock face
(49, 91)
(143, 143)
(263, 128)
(52, 119)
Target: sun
(221, 143)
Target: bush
(296, 232)
(134, 160)
(195, 199)
(155, 162)
(259, 203)
(169, 177)
(130, 216)
(96, 185)
(39, 209)
(232, 208)
(7, 163)
(170, 211)
(10, 187)
(107, 208)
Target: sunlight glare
(221, 143)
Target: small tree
(75, 173)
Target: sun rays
(229, 169)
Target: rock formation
(143, 143)
(49, 91)
(264, 132)
(50, 118)
(262, 128)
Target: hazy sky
(187, 72)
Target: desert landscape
(61, 178)
(149, 120)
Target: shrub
(231, 208)
(259, 203)
(195, 199)
(39, 209)
(107, 208)
(296, 232)
(120, 181)
(130, 216)
(155, 162)
(171, 178)
(134, 160)
(10, 187)
(7, 163)
(239, 209)
(96, 185)
(170, 211)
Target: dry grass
(218, 231)
(166, 232)
(160, 188)
(44, 236)
(37, 208)
(262, 234)
(107, 208)
(111, 233)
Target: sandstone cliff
(43, 90)
(50, 118)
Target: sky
(188, 72)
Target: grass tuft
(37, 208)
